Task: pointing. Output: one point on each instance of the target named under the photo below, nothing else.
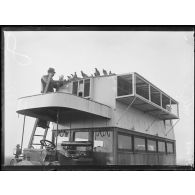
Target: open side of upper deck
(133, 89)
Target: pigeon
(83, 74)
(97, 73)
(110, 73)
(69, 78)
(75, 75)
(105, 72)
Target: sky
(166, 59)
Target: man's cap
(51, 70)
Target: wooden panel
(105, 90)
(125, 158)
(103, 158)
(152, 159)
(140, 159)
(131, 117)
(129, 158)
(162, 159)
(170, 159)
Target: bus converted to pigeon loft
(114, 119)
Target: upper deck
(133, 89)
(46, 106)
(97, 96)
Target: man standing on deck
(52, 84)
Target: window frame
(83, 92)
(125, 149)
(130, 85)
(156, 141)
(163, 152)
(145, 140)
(168, 142)
(75, 83)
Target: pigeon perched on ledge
(69, 78)
(105, 72)
(75, 75)
(83, 74)
(97, 73)
(110, 73)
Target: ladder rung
(36, 144)
(39, 135)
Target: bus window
(151, 145)
(124, 142)
(169, 147)
(103, 141)
(161, 146)
(139, 144)
(81, 136)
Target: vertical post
(149, 92)
(53, 136)
(116, 91)
(170, 104)
(146, 145)
(174, 147)
(91, 137)
(161, 99)
(23, 132)
(115, 145)
(157, 146)
(78, 87)
(57, 131)
(32, 134)
(177, 110)
(83, 87)
(165, 147)
(134, 83)
(132, 139)
(91, 95)
(157, 153)
(72, 134)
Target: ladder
(33, 134)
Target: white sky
(164, 58)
